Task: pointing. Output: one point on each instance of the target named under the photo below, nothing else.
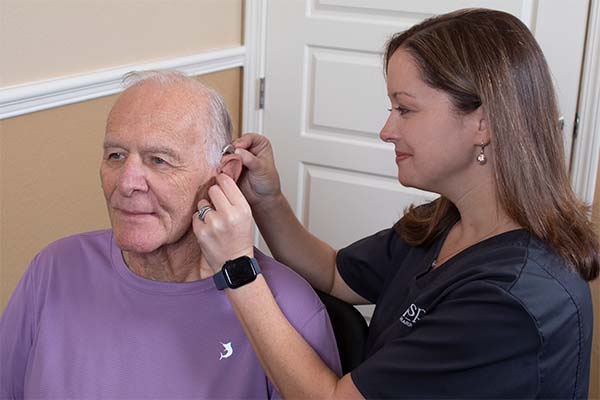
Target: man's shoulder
(70, 250)
(78, 241)
(282, 279)
(82, 237)
(292, 292)
(70, 260)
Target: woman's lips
(401, 156)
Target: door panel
(327, 187)
(338, 79)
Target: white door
(326, 100)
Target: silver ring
(202, 211)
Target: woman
(480, 293)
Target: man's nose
(132, 177)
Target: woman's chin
(406, 181)
(414, 184)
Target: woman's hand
(259, 181)
(226, 232)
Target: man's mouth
(133, 212)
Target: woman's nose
(387, 133)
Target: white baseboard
(36, 96)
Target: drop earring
(481, 158)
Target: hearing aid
(229, 149)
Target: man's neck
(177, 262)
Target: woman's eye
(400, 110)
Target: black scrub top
(504, 318)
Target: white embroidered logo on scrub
(412, 314)
(228, 350)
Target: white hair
(220, 127)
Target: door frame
(586, 149)
(255, 42)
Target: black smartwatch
(236, 273)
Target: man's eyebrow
(109, 144)
(162, 150)
(148, 149)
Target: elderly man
(134, 312)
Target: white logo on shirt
(228, 350)
(412, 315)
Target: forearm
(292, 365)
(293, 245)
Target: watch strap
(219, 279)
(255, 265)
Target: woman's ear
(231, 165)
(481, 131)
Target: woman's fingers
(230, 189)
(218, 198)
(249, 160)
(225, 232)
(252, 142)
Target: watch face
(239, 272)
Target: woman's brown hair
(489, 58)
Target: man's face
(153, 169)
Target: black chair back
(350, 330)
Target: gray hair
(218, 121)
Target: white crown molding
(586, 150)
(36, 96)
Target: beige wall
(42, 39)
(49, 173)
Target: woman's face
(434, 145)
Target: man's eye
(115, 156)
(158, 160)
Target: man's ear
(231, 165)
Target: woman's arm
(292, 365)
(286, 237)
(293, 245)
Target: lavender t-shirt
(80, 324)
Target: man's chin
(136, 243)
(137, 248)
